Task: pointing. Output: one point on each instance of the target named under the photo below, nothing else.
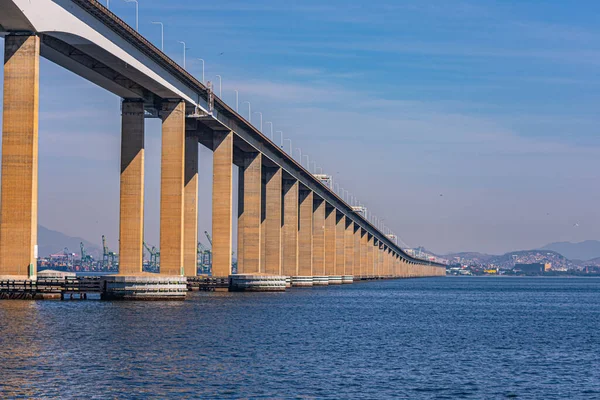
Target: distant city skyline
(468, 126)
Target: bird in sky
(576, 224)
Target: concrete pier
(330, 241)
(190, 206)
(340, 248)
(249, 211)
(348, 252)
(272, 221)
(19, 197)
(131, 222)
(290, 228)
(171, 188)
(222, 202)
(305, 241)
(320, 275)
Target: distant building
(533, 268)
(547, 266)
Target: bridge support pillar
(18, 206)
(190, 205)
(348, 276)
(329, 238)
(304, 277)
(340, 249)
(272, 221)
(290, 228)
(171, 187)
(363, 254)
(131, 219)
(249, 219)
(357, 253)
(320, 277)
(222, 201)
(370, 255)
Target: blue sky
(491, 104)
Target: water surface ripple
(438, 338)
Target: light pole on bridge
(136, 11)
(269, 122)
(200, 59)
(307, 162)
(220, 84)
(162, 35)
(249, 111)
(183, 43)
(237, 100)
(281, 136)
(259, 113)
(290, 153)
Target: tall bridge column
(290, 228)
(340, 249)
(364, 243)
(370, 256)
(171, 187)
(272, 222)
(380, 269)
(320, 277)
(190, 205)
(222, 201)
(330, 243)
(348, 276)
(249, 221)
(357, 252)
(131, 217)
(18, 207)
(304, 277)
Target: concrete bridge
(290, 224)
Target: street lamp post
(269, 122)
(200, 59)
(299, 151)
(237, 99)
(220, 84)
(136, 11)
(307, 162)
(281, 136)
(260, 113)
(290, 152)
(183, 43)
(249, 111)
(162, 35)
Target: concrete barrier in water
(144, 287)
(257, 283)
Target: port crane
(154, 256)
(108, 257)
(86, 259)
(204, 258)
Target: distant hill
(586, 250)
(51, 242)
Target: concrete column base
(302, 281)
(335, 280)
(256, 283)
(19, 278)
(320, 280)
(347, 279)
(144, 287)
